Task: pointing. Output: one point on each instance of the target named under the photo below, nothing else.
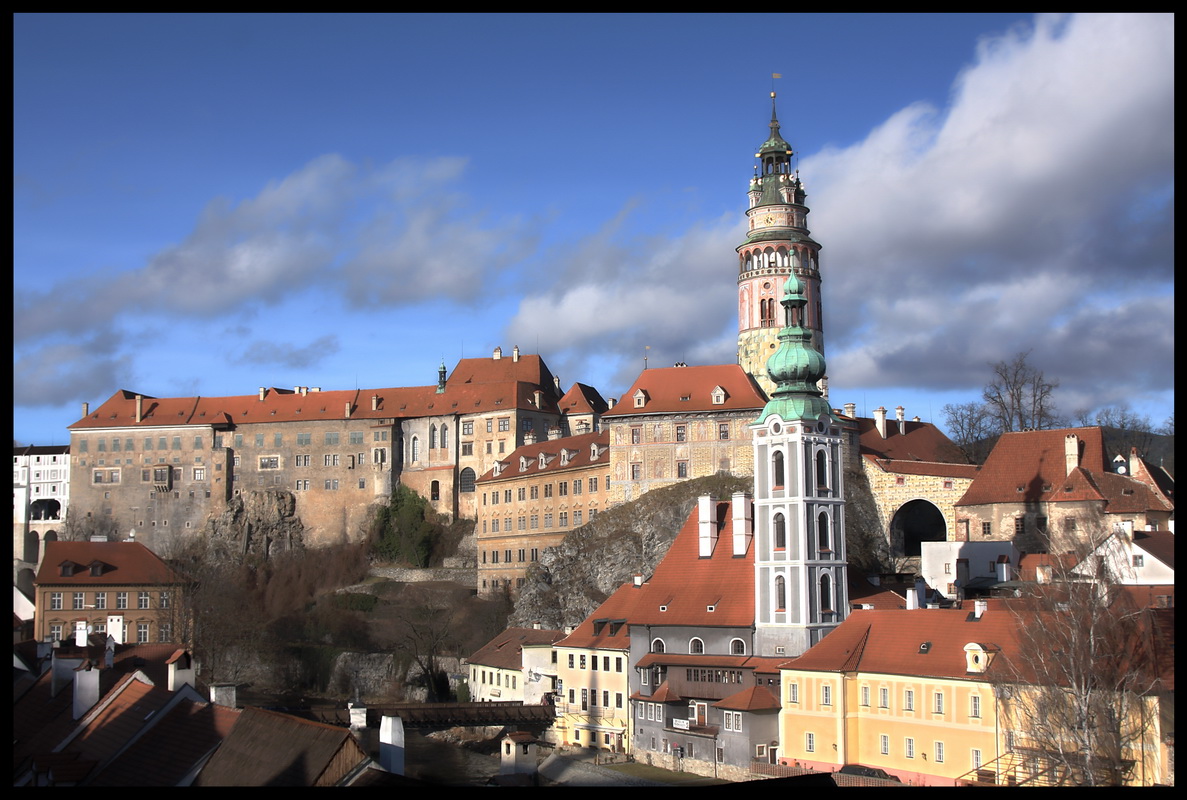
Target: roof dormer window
(719, 395)
(523, 463)
(640, 398)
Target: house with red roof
(516, 666)
(1053, 490)
(117, 588)
(531, 498)
(681, 422)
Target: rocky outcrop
(258, 523)
(576, 576)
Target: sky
(203, 205)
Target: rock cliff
(260, 523)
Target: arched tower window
(821, 471)
(780, 524)
(466, 480)
(432, 437)
(657, 645)
(444, 436)
(415, 449)
(826, 593)
(780, 593)
(737, 647)
(823, 538)
(435, 490)
(777, 476)
(696, 647)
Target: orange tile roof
(582, 399)
(1032, 461)
(505, 651)
(1160, 544)
(579, 447)
(607, 627)
(120, 719)
(756, 698)
(689, 389)
(919, 441)
(941, 469)
(124, 563)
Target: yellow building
(915, 693)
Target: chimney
(638, 580)
(515, 353)
(115, 629)
(979, 607)
(86, 688)
(181, 670)
(743, 522)
(139, 407)
(535, 626)
(86, 409)
(901, 415)
(498, 354)
(315, 389)
(262, 392)
(706, 525)
(556, 382)
(1003, 569)
(391, 745)
(529, 437)
(109, 651)
(62, 670)
(916, 418)
(851, 409)
(358, 716)
(347, 410)
(374, 402)
(1134, 461)
(538, 398)
(554, 433)
(1071, 452)
(224, 694)
(80, 633)
(880, 420)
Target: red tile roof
(938, 468)
(1160, 544)
(606, 628)
(582, 399)
(124, 563)
(580, 449)
(505, 651)
(756, 698)
(689, 389)
(919, 441)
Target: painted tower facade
(799, 507)
(777, 246)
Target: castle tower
(800, 589)
(777, 246)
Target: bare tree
(1019, 396)
(1079, 695)
(970, 428)
(81, 527)
(1124, 428)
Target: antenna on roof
(645, 349)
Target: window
(259, 441)
(865, 695)
(199, 473)
(432, 437)
(504, 424)
(780, 593)
(681, 433)
(301, 461)
(696, 647)
(468, 428)
(810, 742)
(331, 438)
(142, 600)
(975, 706)
(636, 472)
(302, 486)
(270, 462)
(1138, 560)
(723, 431)
(55, 633)
(165, 630)
(564, 519)
(593, 485)
(304, 439)
(976, 758)
(562, 489)
(884, 698)
(165, 600)
(780, 532)
(939, 703)
(142, 632)
(571, 659)
(636, 435)
(121, 599)
(884, 744)
(100, 600)
(793, 692)
(826, 695)
(909, 700)
(939, 752)
(332, 485)
(909, 747)
(331, 460)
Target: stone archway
(915, 522)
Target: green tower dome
(796, 366)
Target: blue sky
(209, 204)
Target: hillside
(573, 578)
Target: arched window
(777, 469)
(444, 436)
(821, 470)
(415, 449)
(780, 593)
(823, 539)
(696, 647)
(826, 593)
(737, 647)
(432, 437)
(780, 525)
(466, 480)
(657, 645)
(435, 490)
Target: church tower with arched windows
(800, 589)
(777, 246)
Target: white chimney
(743, 523)
(901, 415)
(358, 716)
(391, 745)
(115, 629)
(86, 409)
(139, 407)
(181, 671)
(374, 402)
(1134, 458)
(638, 580)
(979, 607)
(263, 391)
(538, 398)
(80, 633)
(1003, 570)
(348, 410)
(224, 694)
(707, 525)
(86, 688)
(515, 353)
(1071, 452)
(851, 409)
(498, 354)
(880, 420)
(61, 670)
